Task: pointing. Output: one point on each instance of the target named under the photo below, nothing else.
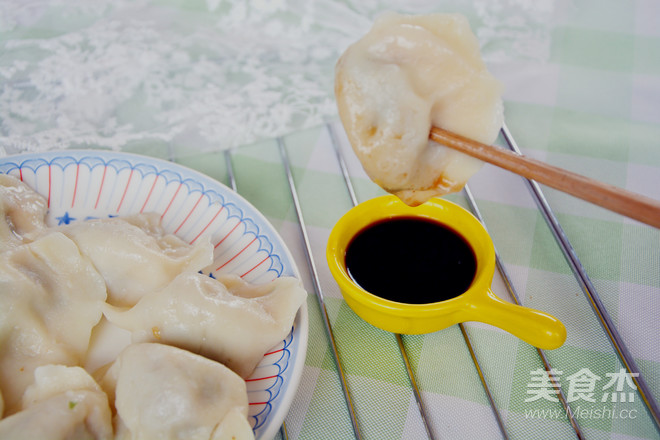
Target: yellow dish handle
(532, 326)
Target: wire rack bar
(399, 340)
(342, 163)
(563, 242)
(590, 291)
(230, 170)
(231, 177)
(516, 299)
(484, 383)
(317, 286)
(415, 388)
(468, 342)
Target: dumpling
(163, 392)
(50, 299)
(406, 74)
(134, 254)
(22, 212)
(51, 380)
(225, 319)
(64, 403)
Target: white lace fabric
(195, 75)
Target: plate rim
(301, 320)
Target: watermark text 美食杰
(594, 401)
(582, 385)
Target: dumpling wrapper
(63, 403)
(407, 74)
(135, 255)
(50, 299)
(225, 319)
(22, 213)
(163, 392)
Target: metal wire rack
(564, 245)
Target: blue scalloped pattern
(7, 166)
(144, 170)
(282, 363)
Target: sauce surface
(411, 260)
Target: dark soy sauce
(411, 260)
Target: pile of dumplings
(193, 339)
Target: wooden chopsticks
(630, 204)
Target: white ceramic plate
(80, 185)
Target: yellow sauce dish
(414, 263)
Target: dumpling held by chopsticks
(407, 74)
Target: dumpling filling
(407, 74)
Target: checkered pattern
(592, 108)
(620, 256)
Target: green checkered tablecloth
(188, 80)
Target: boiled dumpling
(134, 254)
(163, 392)
(22, 212)
(51, 380)
(63, 403)
(226, 319)
(407, 74)
(50, 299)
(60, 284)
